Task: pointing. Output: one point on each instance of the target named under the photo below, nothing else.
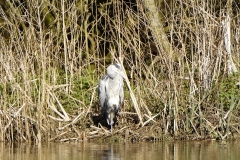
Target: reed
(53, 54)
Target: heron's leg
(111, 128)
(118, 110)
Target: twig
(121, 129)
(16, 113)
(150, 119)
(91, 101)
(64, 116)
(94, 127)
(52, 106)
(135, 104)
(107, 132)
(195, 129)
(60, 105)
(56, 119)
(68, 139)
(73, 121)
(93, 132)
(127, 113)
(58, 136)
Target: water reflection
(141, 151)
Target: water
(194, 150)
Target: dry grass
(53, 53)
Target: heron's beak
(123, 75)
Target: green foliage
(7, 88)
(6, 91)
(80, 92)
(228, 89)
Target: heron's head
(114, 70)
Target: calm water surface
(194, 150)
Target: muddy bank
(155, 128)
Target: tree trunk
(227, 38)
(156, 26)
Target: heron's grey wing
(102, 90)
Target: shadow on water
(120, 151)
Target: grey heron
(110, 92)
